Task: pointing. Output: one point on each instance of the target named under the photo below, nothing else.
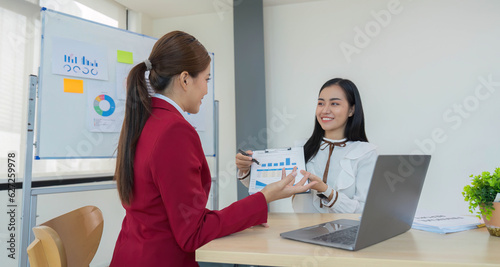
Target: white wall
(215, 32)
(428, 58)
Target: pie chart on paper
(104, 102)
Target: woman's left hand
(320, 186)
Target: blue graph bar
(70, 60)
(268, 170)
(85, 61)
(287, 162)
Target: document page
(444, 223)
(272, 161)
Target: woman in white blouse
(338, 155)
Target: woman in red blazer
(162, 175)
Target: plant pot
(493, 224)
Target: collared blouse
(350, 173)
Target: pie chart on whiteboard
(104, 105)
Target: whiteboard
(204, 120)
(81, 93)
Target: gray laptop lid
(392, 198)
(391, 202)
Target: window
(83, 10)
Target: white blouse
(350, 172)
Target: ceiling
(157, 9)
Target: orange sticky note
(73, 86)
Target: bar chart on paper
(272, 161)
(79, 59)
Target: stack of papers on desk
(444, 224)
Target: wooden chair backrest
(46, 248)
(80, 233)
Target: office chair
(71, 239)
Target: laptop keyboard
(345, 236)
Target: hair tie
(149, 66)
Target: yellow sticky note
(73, 86)
(125, 57)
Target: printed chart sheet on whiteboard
(272, 161)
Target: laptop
(389, 210)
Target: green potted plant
(481, 193)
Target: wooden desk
(264, 246)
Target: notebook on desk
(392, 200)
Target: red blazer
(167, 219)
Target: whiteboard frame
(57, 141)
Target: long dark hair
(172, 54)
(355, 127)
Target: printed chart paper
(272, 161)
(79, 59)
(122, 71)
(105, 112)
(444, 223)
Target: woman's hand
(285, 187)
(320, 186)
(243, 162)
